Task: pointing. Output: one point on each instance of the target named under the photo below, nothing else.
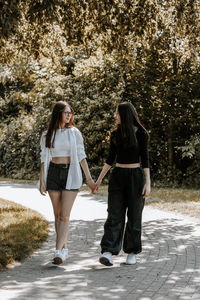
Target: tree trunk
(170, 143)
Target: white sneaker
(65, 253)
(106, 259)
(58, 257)
(131, 259)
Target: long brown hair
(129, 118)
(55, 121)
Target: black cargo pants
(124, 197)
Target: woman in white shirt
(62, 153)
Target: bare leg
(55, 200)
(67, 201)
(56, 203)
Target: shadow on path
(168, 267)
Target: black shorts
(57, 177)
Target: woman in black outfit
(128, 185)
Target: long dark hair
(55, 121)
(129, 119)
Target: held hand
(42, 189)
(91, 185)
(146, 190)
(98, 182)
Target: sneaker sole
(104, 261)
(130, 263)
(57, 261)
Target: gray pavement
(168, 268)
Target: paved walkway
(168, 268)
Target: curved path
(168, 268)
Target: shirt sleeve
(112, 151)
(80, 146)
(43, 148)
(144, 152)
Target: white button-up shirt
(72, 139)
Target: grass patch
(22, 231)
(191, 209)
(184, 201)
(174, 195)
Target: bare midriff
(137, 165)
(61, 160)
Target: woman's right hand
(42, 188)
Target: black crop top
(129, 155)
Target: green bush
(93, 90)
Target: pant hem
(107, 250)
(134, 252)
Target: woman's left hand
(146, 190)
